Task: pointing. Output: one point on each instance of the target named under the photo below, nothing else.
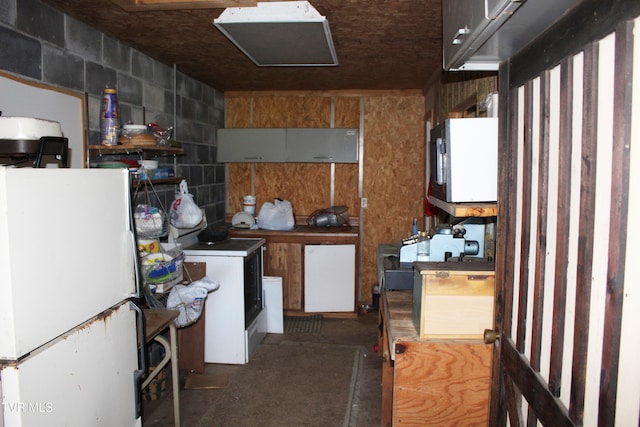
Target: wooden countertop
(299, 230)
(302, 234)
(464, 267)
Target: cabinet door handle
(457, 39)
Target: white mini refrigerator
(68, 268)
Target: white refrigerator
(68, 329)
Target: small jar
(424, 246)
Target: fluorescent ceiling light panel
(280, 34)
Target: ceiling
(391, 45)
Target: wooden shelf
(463, 210)
(120, 149)
(164, 181)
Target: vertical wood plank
(585, 238)
(541, 225)
(525, 248)
(618, 223)
(505, 248)
(564, 214)
(541, 246)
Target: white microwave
(464, 160)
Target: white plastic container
(249, 204)
(272, 287)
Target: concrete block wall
(44, 45)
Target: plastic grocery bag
(188, 300)
(276, 216)
(184, 212)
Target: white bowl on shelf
(134, 129)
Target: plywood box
(429, 382)
(453, 300)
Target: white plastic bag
(184, 212)
(188, 300)
(276, 216)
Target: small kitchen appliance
(464, 160)
(25, 139)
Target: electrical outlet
(363, 202)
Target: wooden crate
(453, 300)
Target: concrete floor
(360, 333)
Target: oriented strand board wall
(393, 162)
(394, 174)
(307, 186)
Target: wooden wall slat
(541, 217)
(563, 221)
(525, 251)
(622, 116)
(585, 233)
(505, 248)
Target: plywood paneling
(394, 174)
(443, 384)
(292, 111)
(238, 112)
(239, 185)
(306, 185)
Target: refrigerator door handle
(142, 351)
(136, 266)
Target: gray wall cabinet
(292, 145)
(309, 145)
(254, 145)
